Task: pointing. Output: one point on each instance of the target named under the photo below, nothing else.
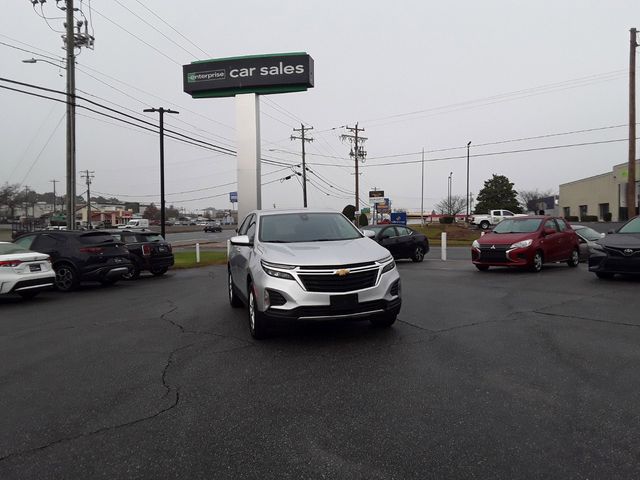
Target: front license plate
(35, 268)
(340, 302)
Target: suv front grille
(333, 283)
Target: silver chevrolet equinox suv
(309, 265)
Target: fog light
(267, 301)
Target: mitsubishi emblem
(493, 247)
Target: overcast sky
(414, 74)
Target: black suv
(147, 250)
(212, 227)
(80, 256)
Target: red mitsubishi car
(527, 242)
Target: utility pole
(467, 217)
(358, 153)
(422, 191)
(88, 175)
(161, 111)
(302, 137)
(71, 117)
(631, 178)
(54, 194)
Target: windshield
(633, 226)
(306, 227)
(588, 234)
(512, 225)
(10, 248)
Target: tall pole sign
(246, 78)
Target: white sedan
(24, 272)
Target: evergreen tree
(498, 193)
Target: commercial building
(599, 195)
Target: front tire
(158, 272)
(418, 254)
(66, 278)
(257, 320)
(604, 275)
(575, 258)
(384, 320)
(536, 266)
(484, 225)
(233, 298)
(482, 268)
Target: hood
(505, 238)
(340, 252)
(621, 240)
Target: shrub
(363, 221)
(607, 217)
(572, 218)
(447, 219)
(589, 218)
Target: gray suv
(309, 265)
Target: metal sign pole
(248, 148)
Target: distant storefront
(600, 195)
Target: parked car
(213, 227)
(24, 272)
(484, 221)
(401, 241)
(527, 242)
(587, 237)
(618, 252)
(79, 256)
(310, 265)
(148, 251)
(136, 223)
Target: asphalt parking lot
(502, 374)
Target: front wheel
(158, 272)
(484, 225)
(482, 268)
(233, 298)
(604, 275)
(536, 266)
(418, 254)
(384, 320)
(257, 320)
(575, 258)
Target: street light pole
(449, 195)
(162, 111)
(467, 217)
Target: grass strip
(207, 258)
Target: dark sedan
(401, 241)
(618, 252)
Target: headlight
(596, 247)
(274, 270)
(476, 244)
(522, 244)
(389, 266)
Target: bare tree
(525, 196)
(454, 207)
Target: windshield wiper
(276, 241)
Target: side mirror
(369, 233)
(241, 241)
(548, 231)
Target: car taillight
(92, 250)
(146, 250)
(10, 263)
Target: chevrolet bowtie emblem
(342, 272)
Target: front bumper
(281, 298)
(503, 256)
(108, 271)
(602, 262)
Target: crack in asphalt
(577, 317)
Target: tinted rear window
(150, 237)
(10, 248)
(95, 238)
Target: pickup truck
(492, 218)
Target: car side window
(25, 242)
(389, 232)
(551, 223)
(44, 243)
(129, 238)
(507, 213)
(251, 230)
(245, 225)
(562, 225)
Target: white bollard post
(443, 248)
(197, 253)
